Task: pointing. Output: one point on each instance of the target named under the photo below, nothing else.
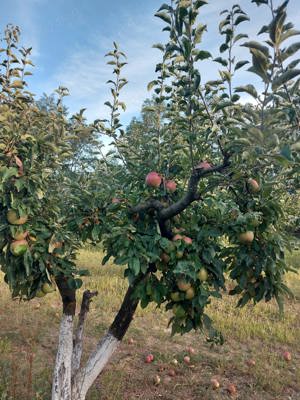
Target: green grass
(28, 340)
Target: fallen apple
(156, 380)
(191, 350)
(251, 363)
(187, 359)
(287, 356)
(214, 383)
(47, 288)
(231, 388)
(172, 372)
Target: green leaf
(240, 64)
(164, 16)
(240, 19)
(284, 78)
(250, 89)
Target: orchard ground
(28, 340)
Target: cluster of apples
(19, 245)
(154, 180)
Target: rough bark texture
(78, 337)
(61, 386)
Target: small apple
(246, 237)
(177, 237)
(179, 254)
(47, 288)
(287, 356)
(202, 275)
(171, 186)
(231, 388)
(251, 363)
(190, 293)
(191, 350)
(174, 362)
(18, 247)
(187, 360)
(204, 165)
(175, 296)
(187, 240)
(130, 341)
(115, 200)
(14, 219)
(215, 383)
(172, 372)
(20, 235)
(148, 359)
(183, 285)
(253, 185)
(39, 293)
(165, 258)
(153, 179)
(156, 380)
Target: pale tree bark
(61, 387)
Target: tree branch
(192, 192)
(78, 336)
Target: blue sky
(70, 38)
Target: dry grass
(28, 336)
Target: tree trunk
(70, 381)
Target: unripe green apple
(47, 288)
(202, 275)
(175, 296)
(14, 219)
(18, 247)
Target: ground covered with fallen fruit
(260, 359)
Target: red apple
(231, 388)
(187, 359)
(153, 179)
(115, 200)
(204, 165)
(253, 185)
(149, 358)
(187, 240)
(177, 237)
(215, 383)
(287, 356)
(191, 350)
(171, 186)
(172, 372)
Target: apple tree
(184, 199)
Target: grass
(28, 339)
